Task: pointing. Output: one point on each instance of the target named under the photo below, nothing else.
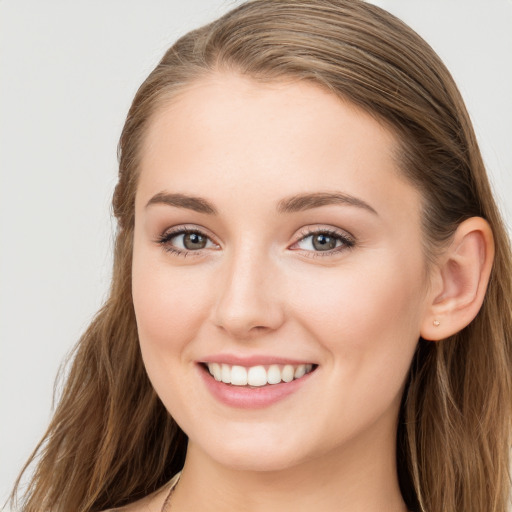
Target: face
(279, 281)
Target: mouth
(257, 376)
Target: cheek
(365, 315)
(368, 323)
(169, 305)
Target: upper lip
(253, 360)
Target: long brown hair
(111, 441)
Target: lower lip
(243, 397)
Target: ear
(459, 281)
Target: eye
(324, 241)
(184, 241)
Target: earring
(436, 323)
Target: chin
(257, 462)
(251, 455)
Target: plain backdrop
(68, 72)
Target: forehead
(232, 136)
(223, 100)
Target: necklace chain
(167, 503)
(166, 506)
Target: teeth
(257, 376)
(287, 373)
(274, 374)
(300, 371)
(216, 371)
(238, 376)
(225, 374)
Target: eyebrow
(296, 203)
(301, 202)
(198, 204)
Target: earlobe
(461, 279)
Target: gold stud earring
(436, 323)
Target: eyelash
(347, 241)
(165, 238)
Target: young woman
(310, 304)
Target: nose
(248, 300)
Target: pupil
(324, 242)
(194, 241)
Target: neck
(358, 478)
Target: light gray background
(68, 73)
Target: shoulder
(151, 503)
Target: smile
(257, 376)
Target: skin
(259, 287)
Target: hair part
(454, 428)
